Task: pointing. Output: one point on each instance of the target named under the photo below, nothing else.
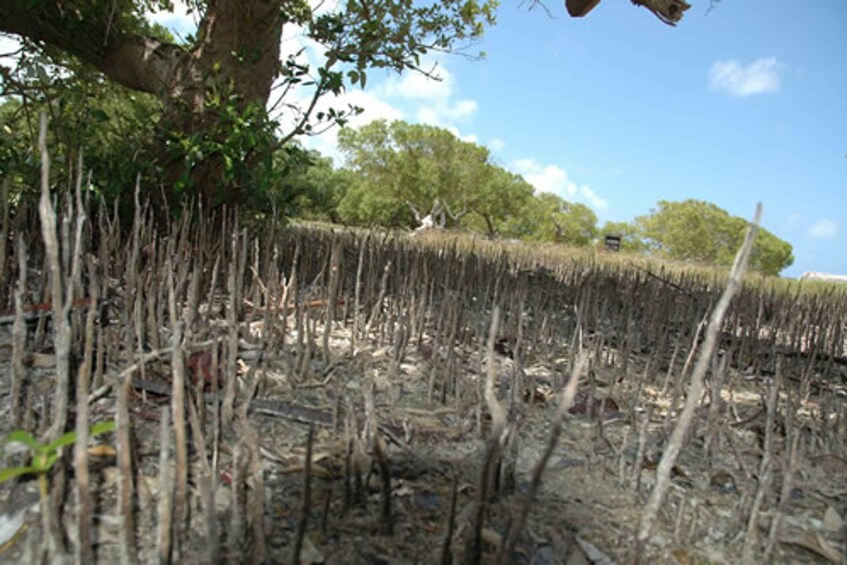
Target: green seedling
(44, 456)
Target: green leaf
(102, 427)
(23, 437)
(62, 441)
(42, 74)
(51, 459)
(12, 472)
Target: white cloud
(823, 229)
(460, 110)
(374, 108)
(593, 198)
(412, 96)
(295, 44)
(443, 113)
(762, 75)
(432, 98)
(305, 50)
(548, 178)
(415, 85)
(496, 144)
(428, 115)
(554, 179)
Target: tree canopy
(408, 171)
(701, 231)
(402, 172)
(214, 87)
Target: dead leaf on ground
(102, 450)
(816, 544)
(832, 521)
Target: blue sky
(740, 105)
(618, 111)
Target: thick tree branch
(142, 63)
(137, 62)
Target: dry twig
(651, 509)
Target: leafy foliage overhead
(99, 121)
(215, 85)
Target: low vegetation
(433, 374)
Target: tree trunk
(489, 225)
(236, 54)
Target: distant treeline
(395, 174)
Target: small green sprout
(45, 455)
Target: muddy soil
(587, 511)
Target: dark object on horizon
(613, 242)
